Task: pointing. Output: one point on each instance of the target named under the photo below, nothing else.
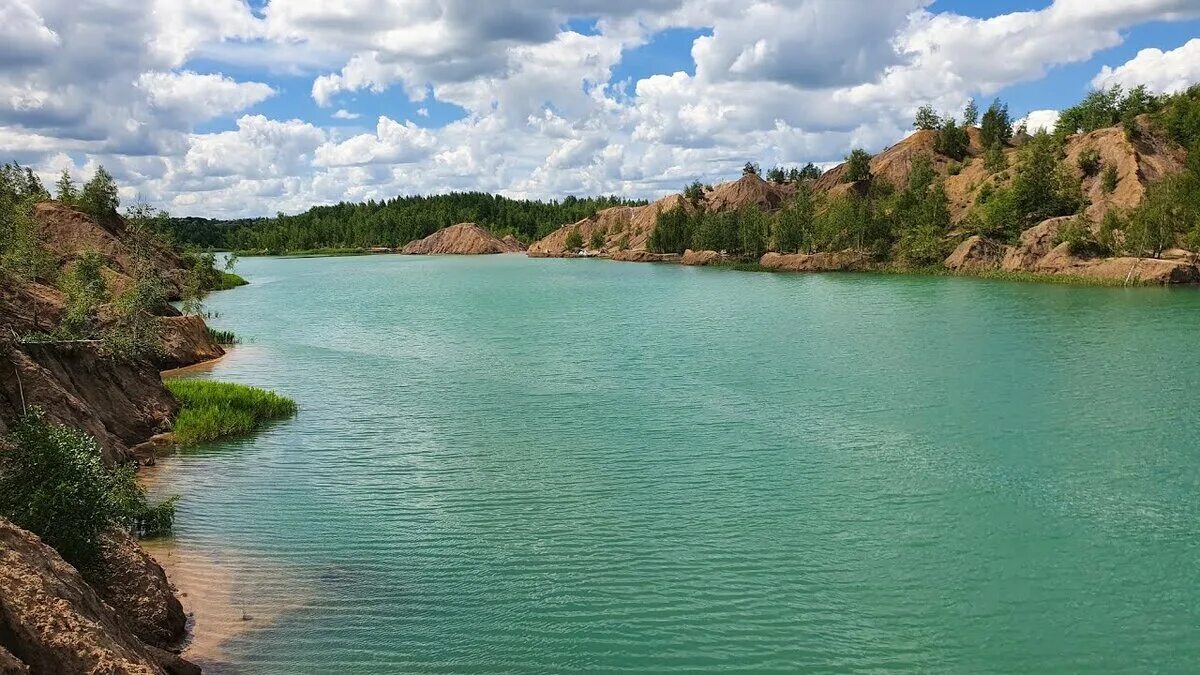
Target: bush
(222, 337)
(1077, 234)
(1089, 161)
(1108, 180)
(596, 241)
(213, 410)
(53, 484)
(99, 198)
(954, 168)
(994, 159)
(996, 128)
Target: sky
(229, 108)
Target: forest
(391, 223)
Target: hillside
(462, 239)
(1109, 204)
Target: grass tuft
(223, 337)
(214, 410)
(229, 280)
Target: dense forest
(390, 223)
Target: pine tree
(65, 188)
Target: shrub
(222, 337)
(1077, 234)
(53, 484)
(694, 193)
(971, 114)
(793, 228)
(99, 198)
(994, 159)
(213, 410)
(1089, 161)
(954, 168)
(672, 231)
(1108, 180)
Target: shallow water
(503, 464)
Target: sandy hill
(462, 239)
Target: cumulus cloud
(122, 82)
(1039, 120)
(1164, 72)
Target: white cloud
(1164, 72)
(787, 81)
(1039, 120)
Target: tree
(997, 125)
(751, 168)
(810, 171)
(1109, 179)
(574, 240)
(100, 199)
(994, 159)
(1042, 188)
(596, 241)
(793, 229)
(1089, 161)
(715, 232)
(952, 140)
(753, 231)
(65, 188)
(971, 114)
(926, 119)
(694, 193)
(858, 166)
(672, 231)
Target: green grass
(214, 410)
(223, 337)
(1019, 277)
(229, 280)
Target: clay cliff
(462, 239)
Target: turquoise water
(512, 465)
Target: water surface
(512, 465)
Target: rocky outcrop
(1132, 271)
(67, 233)
(976, 253)
(133, 584)
(701, 258)
(1138, 164)
(461, 239)
(645, 256)
(512, 243)
(840, 261)
(1034, 244)
(749, 190)
(186, 342)
(52, 621)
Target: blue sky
(227, 107)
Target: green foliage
(53, 483)
(18, 183)
(754, 231)
(1105, 108)
(794, 227)
(1171, 207)
(574, 240)
(391, 223)
(1179, 115)
(920, 213)
(997, 126)
(672, 231)
(86, 290)
(715, 232)
(952, 140)
(777, 174)
(971, 114)
(21, 250)
(954, 168)
(994, 159)
(596, 242)
(214, 410)
(1108, 179)
(809, 172)
(65, 189)
(1111, 233)
(99, 198)
(927, 119)
(1042, 188)
(1077, 234)
(751, 168)
(858, 166)
(222, 337)
(694, 193)
(1089, 161)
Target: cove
(513, 465)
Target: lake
(514, 465)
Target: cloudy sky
(229, 108)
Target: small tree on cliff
(65, 188)
(971, 114)
(574, 240)
(858, 166)
(100, 199)
(927, 119)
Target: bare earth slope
(462, 239)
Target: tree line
(390, 223)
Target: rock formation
(462, 239)
(840, 261)
(52, 621)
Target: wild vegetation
(390, 223)
(214, 410)
(53, 484)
